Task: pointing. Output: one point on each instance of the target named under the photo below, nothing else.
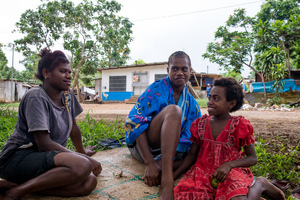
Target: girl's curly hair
(233, 91)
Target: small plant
(275, 101)
(281, 164)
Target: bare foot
(270, 190)
(166, 193)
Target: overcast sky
(161, 27)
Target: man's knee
(173, 111)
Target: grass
(93, 131)
(202, 102)
(280, 164)
(7, 105)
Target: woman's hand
(96, 166)
(90, 150)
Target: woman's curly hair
(49, 60)
(233, 91)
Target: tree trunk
(263, 81)
(287, 58)
(79, 93)
(76, 80)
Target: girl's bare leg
(263, 186)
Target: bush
(8, 120)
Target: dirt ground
(267, 124)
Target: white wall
(5, 91)
(128, 72)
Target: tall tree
(95, 29)
(92, 32)
(279, 25)
(234, 44)
(40, 27)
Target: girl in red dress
(218, 140)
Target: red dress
(213, 153)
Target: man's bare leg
(168, 124)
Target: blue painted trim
(116, 96)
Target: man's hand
(90, 150)
(152, 174)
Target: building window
(117, 83)
(159, 76)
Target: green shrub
(8, 120)
(281, 165)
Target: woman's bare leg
(71, 177)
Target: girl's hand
(90, 150)
(222, 172)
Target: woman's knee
(87, 186)
(79, 166)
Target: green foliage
(268, 59)
(280, 164)
(244, 40)
(233, 74)
(93, 131)
(40, 27)
(5, 71)
(8, 120)
(138, 61)
(202, 102)
(276, 100)
(233, 45)
(279, 25)
(91, 31)
(272, 63)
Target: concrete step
(132, 100)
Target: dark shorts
(21, 165)
(135, 152)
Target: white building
(11, 91)
(123, 82)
